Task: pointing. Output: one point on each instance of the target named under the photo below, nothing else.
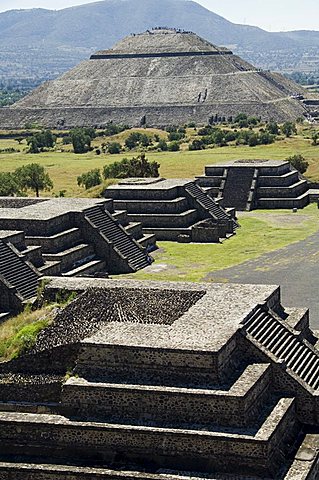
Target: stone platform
(69, 237)
(249, 184)
(165, 381)
(173, 209)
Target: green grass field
(64, 167)
(261, 232)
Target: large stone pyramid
(157, 78)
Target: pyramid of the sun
(157, 78)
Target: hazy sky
(272, 15)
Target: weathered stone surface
(159, 77)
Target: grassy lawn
(260, 232)
(18, 334)
(64, 167)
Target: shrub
(173, 146)
(288, 129)
(197, 145)
(298, 162)
(162, 145)
(90, 179)
(114, 148)
(138, 166)
(41, 140)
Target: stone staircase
(238, 186)
(121, 241)
(17, 272)
(216, 210)
(299, 355)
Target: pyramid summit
(159, 77)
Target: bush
(197, 145)
(162, 145)
(67, 140)
(112, 129)
(173, 146)
(114, 148)
(134, 167)
(90, 179)
(175, 136)
(288, 129)
(298, 162)
(133, 140)
(273, 128)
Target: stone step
(169, 234)
(55, 437)
(51, 268)
(290, 191)
(18, 388)
(239, 405)
(160, 206)
(286, 344)
(33, 254)
(55, 243)
(148, 241)
(120, 216)
(207, 202)
(88, 268)
(146, 365)
(71, 256)
(45, 471)
(178, 220)
(134, 229)
(304, 465)
(276, 202)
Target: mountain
(44, 43)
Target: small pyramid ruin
(165, 381)
(159, 77)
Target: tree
(81, 140)
(40, 141)
(288, 128)
(90, 179)
(272, 127)
(9, 185)
(34, 177)
(298, 162)
(138, 166)
(196, 145)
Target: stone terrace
(168, 380)
(173, 209)
(69, 237)
(249, 184)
